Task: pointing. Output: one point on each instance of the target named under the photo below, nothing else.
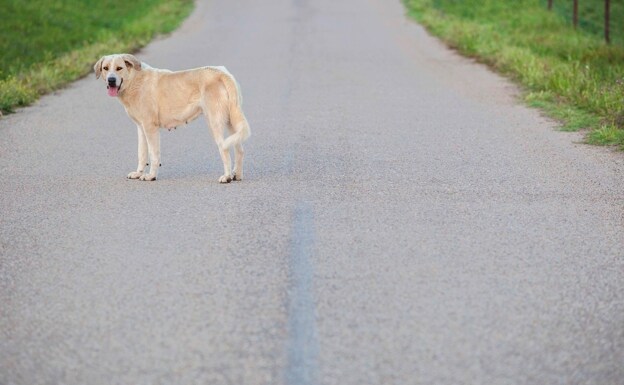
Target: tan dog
(157, 98)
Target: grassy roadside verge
(573, 76)
(47, 44)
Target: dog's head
(115, 70)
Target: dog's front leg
(142, 154)
(152, 134)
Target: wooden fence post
(575, 14)
(550, 4)
(607, 17)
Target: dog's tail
(237, 118)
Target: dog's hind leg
(239, 131)
(238, 125)
(239, 154)
(217, 121)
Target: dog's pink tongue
(112, 91)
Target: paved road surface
(403, 221)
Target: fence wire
(591, 16)
(590, 13)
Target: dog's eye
(105, 68)
(119, 68)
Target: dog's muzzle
(113, 88)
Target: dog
(158, 98)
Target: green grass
(46, 44)
(591, 16)
(571, 74)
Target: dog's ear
(132, 61)
(98, 67)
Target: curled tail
(237, 118)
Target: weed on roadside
(573, 75)
(47, 44)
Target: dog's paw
(148, 177)
(135, 175)
(225, 179)
(237, 177)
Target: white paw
(135, 175)
(225, 179)
(237, 177)
(148, 177)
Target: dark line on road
(303, 346)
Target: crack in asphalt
(303, 344)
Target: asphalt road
(404, 220)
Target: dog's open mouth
(114, 90)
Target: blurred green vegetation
(591, 16)
(571, 74)
(46, 43)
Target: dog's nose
(112, 81)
